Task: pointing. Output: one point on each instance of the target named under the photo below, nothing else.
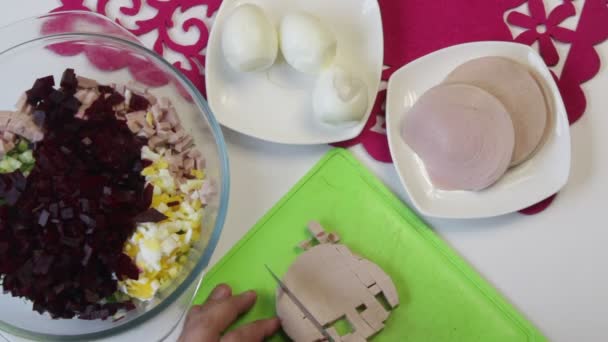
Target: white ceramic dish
(276, 105)
(534, 180)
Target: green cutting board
(442, 297)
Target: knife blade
(300, 306)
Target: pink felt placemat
(412, 29)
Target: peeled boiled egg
(307, 44)
(249, 39)
(340, 97)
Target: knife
(301, 306)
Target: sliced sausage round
(518, 91)
(463, 134)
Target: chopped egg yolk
(150, 119)
(160, 249)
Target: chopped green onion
(9, 164)
(27, 157)
(23, 146)
(19, 158)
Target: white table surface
(551, 266)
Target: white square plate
(276, 104)
(533, 181)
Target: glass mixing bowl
(97, 48)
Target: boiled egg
(160, 249)
(306, 43)
(340, 97)
(249, 39)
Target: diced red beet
(71, 242)
(115, 99)
(84, 205)
(87, 220)
(87, 254)
(68, 81)
(137, 167)
(54, 209)
(71, 104)
(96, 314)
(11, 186)
(67, 213)
(104, 89)
(64, 228)
(44, 82)
(42, 88)
(42, 264)
(43, 218)
(126, 268)
(39, 117)
(138, 103)
(150, 216)
(100, 110)
(87, 141)
(57, 97)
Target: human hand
(207, 322)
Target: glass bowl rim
(224, 189)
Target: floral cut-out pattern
(543, 29)
(412, 29)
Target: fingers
(207, 322)
(219, 315)
(193, 330)
(254, 332)
(222, 291)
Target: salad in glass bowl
(113, 192)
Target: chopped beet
(87, 254)
(67, 213)
(150, 216)
(105, 89)
(125, 268)
(71, 104)
(87, 141)
(11, 187)
(116, 99)
(100, 110)
(54, 208)
(71, 242)
(138, 102)
(41, 89)
(84, 205)
(87, 220)
(68, 81)
(39, 117)
(63, 229)
(43, 218)
(57, 97)
(42, 264)
(46, 82)
(147, 197)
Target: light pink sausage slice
(463, 134)
(326, 281)
(518, 91)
